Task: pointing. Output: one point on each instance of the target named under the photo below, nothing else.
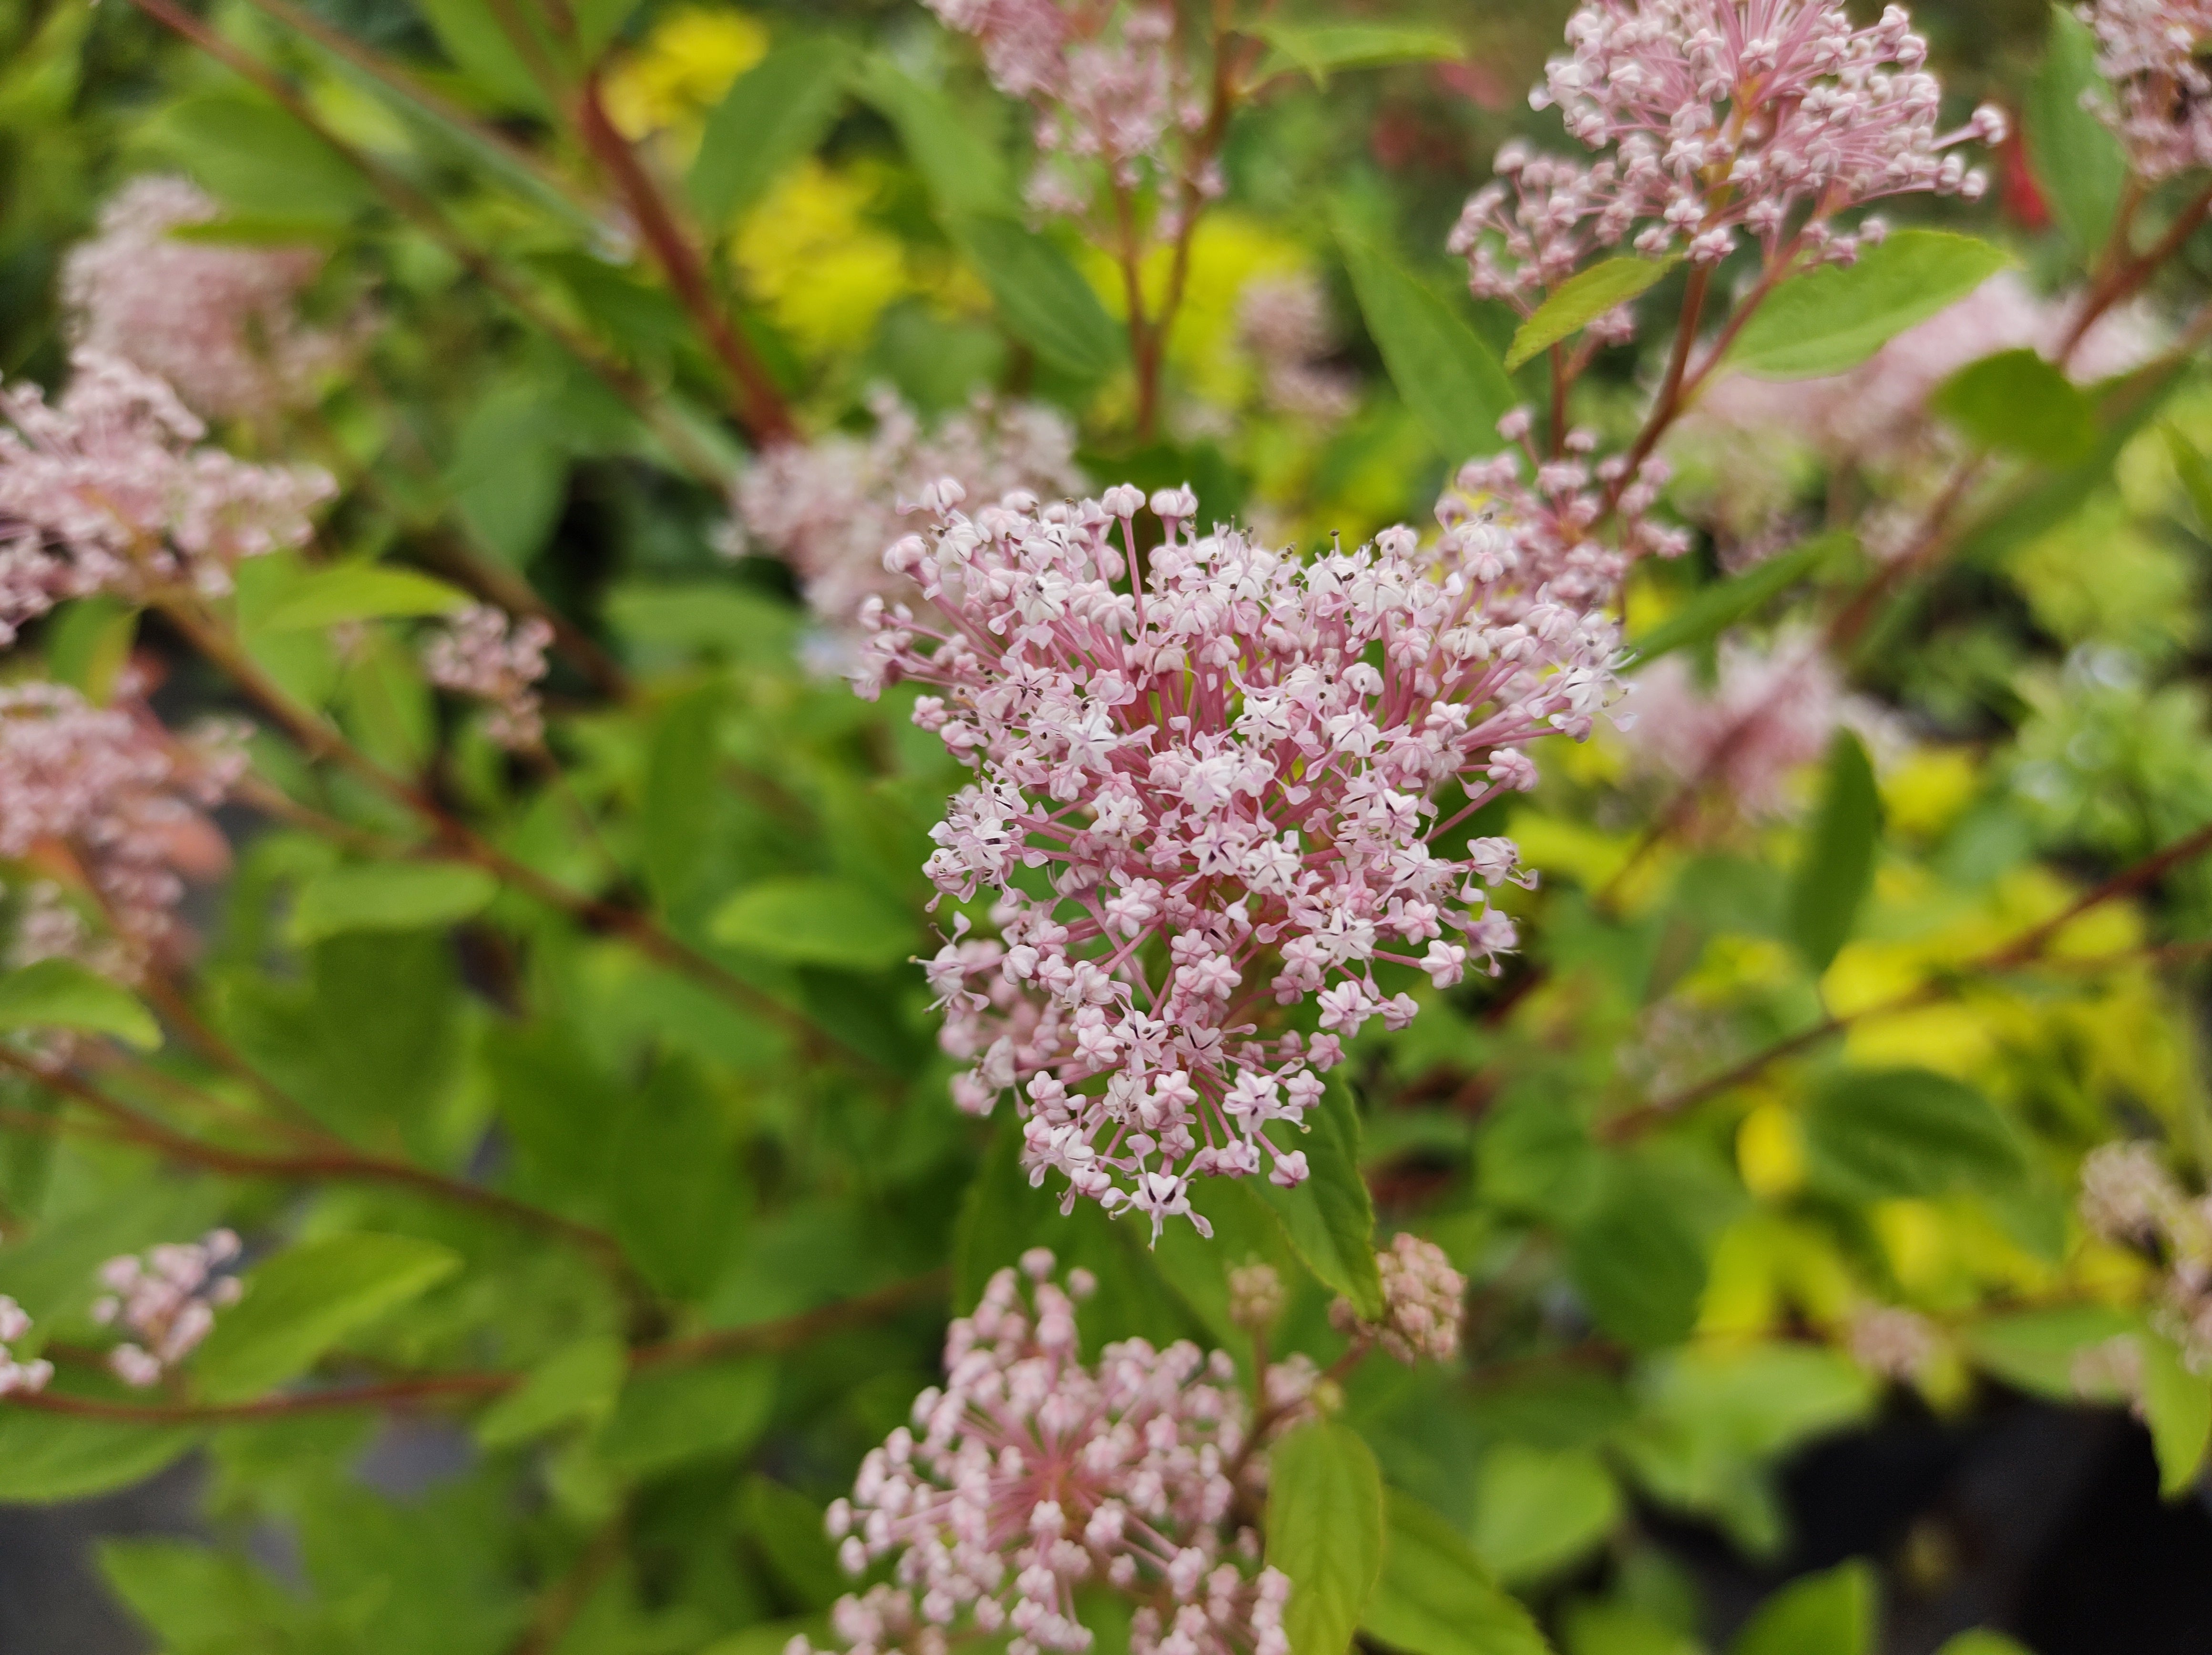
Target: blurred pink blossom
(487, 655)
(1283, 321)
(2150, 51)
(1769, 713)
(166, 1300)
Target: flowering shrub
(897, 853)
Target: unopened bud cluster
(487, 655)
(167, 1301)
(17, 1378)
(1424, 1303)
(2128, 1196)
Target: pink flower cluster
(1203, 798)
(1769, 713)
(1715, 119)
(829, 508)
(1424, 1303)
(16, 1378)
(1538, 533)
(2128, 1196)
(1283, 321)
(1031, 1474)
(486, 654)
(1111, 93)
(109, 796)
(167, 1299)
(107, 490)
(219, 322)
(1893, 1342)
(2149, 50)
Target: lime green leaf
(1837, 866)
(2196, 474)
(1637, 1263)
(1325, 1531)
(388, 896)
(1535, 1512)
(1834, 317)
(2075, 157)
(2016, 402)
(361, 591)
(46, 1458)
(1041, 297)
(1874, 1134)
(1317, 49)
(87, 642)
(62, 994)
(302, 1303)
(774, 113)
(812, 920)
(1580, 300)
(1330, 1218)
(196, 1600)
(1832, 1613)
(2177, 1406)
(1712, 610)
(667, 1417)
(1444, 372)
(1981, 1641)
(579, 1382)
(1435, 1597)
(2040, 1351)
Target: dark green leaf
(786, 1526)
(360, 592)
(673, 1187)
(2075, 157)
(2017, 401)
(1446, 374)
(1580, 300)
(1712, 610)
(1832, 1613)
(672, 1414)
(815, 921)
(510, 469)
(388, 896)
(60, 993)
(1041, 297)
(774, 113)
(1435, 1597)
(1872, 1134)
(1638, 1262)
(579, 1382)
(964, 173)
(48, 1458)
(1837, 866)
(1325, 1531)
(1318, 48)
(683, 781)
(1330, 1217)
(302, 1303)
(1837, 316)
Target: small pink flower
(487, 655)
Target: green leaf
(1836, 867)
(1325, 1531)
(1330, 1217)
(707, 618)
(388, 896)
(774, 113)
(579, 1382)
(1832, 1613)
(302, 1303)
(2075, 157)
(2195, 472)
(815, 921)
(1713, 609)
(2040, 1351)
(88, 642)
(1444, 372)
(682, 783)
(1317, 49)
(470, 31)
(196, 1600)
(1435, 1597)
(786, 1526)
(361, 591)
(1041, 297)
(1982, 1641)
(965, 175)
(254, 156)
(1637, 1263)
(1835, 316)
(509, 471)
(2016, 402)
(673, 1185)
(678, 1414)
(1536, 1511)
(60, 993)
(48, 1458)
(2178, 1407)
(1873, 1134)
(1580, 300)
